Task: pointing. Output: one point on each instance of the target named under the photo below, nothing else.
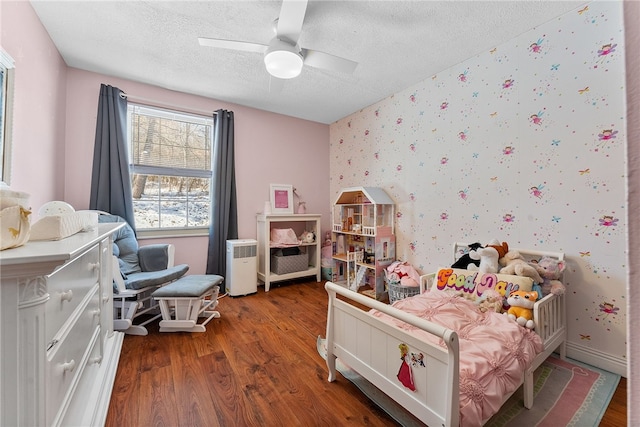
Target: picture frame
(281, 196)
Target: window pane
(174, 212)
(170, 165)
(173, 142)
(170, 201)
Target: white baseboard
(104, 388)
(597, 358)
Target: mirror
(7, 68)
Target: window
(7, 68)
(170, 165)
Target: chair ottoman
(186, 300)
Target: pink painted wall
(270, 148)
(39, 108)
(53, 155)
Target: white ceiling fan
(283, 57)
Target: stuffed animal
(521, 307)
(514, 263)
(465, 259)
(402, 272)
(501, 248)
(550, 269)
(307, 237)
(491, 300)
(489, 257)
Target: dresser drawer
(78, 412)
(67, 356)
(67, 287)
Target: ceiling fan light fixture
(283, 60)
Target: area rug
(567, 393)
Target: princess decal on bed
(404, 374)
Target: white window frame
(168, 171)
(7, 69)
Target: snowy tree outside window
(170, 166)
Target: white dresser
(59, 353)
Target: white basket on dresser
(59, 353)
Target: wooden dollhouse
(363, 239)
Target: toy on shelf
(307, 237)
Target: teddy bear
(491, 300)
(521, 307)
(465, 259)
(489, 257)
(514, 263)
(307, 237)
(550, 269)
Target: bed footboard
(550, 318)
(551, 325)
(370, 347)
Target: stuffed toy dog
(521, 307)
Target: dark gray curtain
(110, 182)
(224, 208)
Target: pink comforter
(494, 351)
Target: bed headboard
(461, 248)
(529, 254)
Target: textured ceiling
(396, 43)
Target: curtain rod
(156, 103)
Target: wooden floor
(256, 365)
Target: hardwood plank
(123, 407)
(616, 413)
(191, 389)
(152, 354)
(226, 392)
(158, 406)
(255, 365)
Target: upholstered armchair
(137, 272)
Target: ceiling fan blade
(291, 18)
(233, 44)
(316, 59)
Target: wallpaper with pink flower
(523, 143)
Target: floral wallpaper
(523, 143)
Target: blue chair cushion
(144, 279)
(189, 286)
(125, 247)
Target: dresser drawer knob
(95, 360)
(96, 312)
(66, 296)
(94, 265)
(68, 366)
(105, 298)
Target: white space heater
(242, 267)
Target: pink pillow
(284, 236)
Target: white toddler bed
(369, 343)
